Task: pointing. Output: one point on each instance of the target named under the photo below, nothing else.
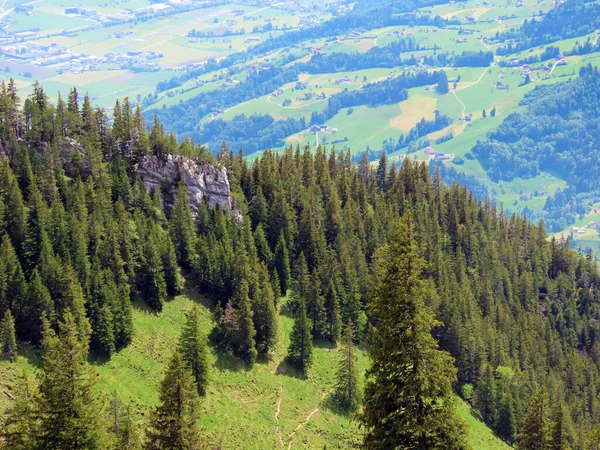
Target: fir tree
(534, 433)
(300, 350)
(194, 349)
(347, 391)
(505, 425)
(153, 287)
(19, 428)
(8, 339)
(265, 314)
(70, 409)
(282, 264)
(173, 424)
(558, 431)
(181, 226)
(332, 306)
(246, 343)
(128, 436)
(408, 372)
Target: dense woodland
(81, 236)
(558, 133)
(567, 20)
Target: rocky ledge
(204, 182)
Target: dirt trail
(301, 424)
(278, 403)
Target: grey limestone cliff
(205, 182)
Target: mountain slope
(240, 409)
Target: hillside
(240, 410)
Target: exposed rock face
(204, 183)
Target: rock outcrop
(205, 182)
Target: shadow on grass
(332, 404)
(228, 362)
(28, 351)
(284, 368)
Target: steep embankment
(266, 407)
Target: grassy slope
(239, 409)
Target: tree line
(501, 312)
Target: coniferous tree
(282, 264)
(332, 306)
(246, 343)
(347, 391)
(181, 226)
(154, 287)
(408, 372)
(19, 428)
(505, 425)
(194, 349)
(265, 314)
(485, 394)
(8, 339)
(534, 432)
(128, 436)
(70, 410)
(558, 431)
(300, 350)
(39, 306)
(173, 424)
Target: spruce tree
(265, 313)
(181, 226)
(194, 349)
(558, 431)
(19, 427)
(332, 307)
(505, 425)
(534, 433)
(408, 395)
(282, 264)
(173, 424)
(347, 391)
(70, 410)
(246, 343)
(153, 285)
(300, 350)
(128, 436)
(8, 339)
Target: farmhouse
(253, 39)
(430, 150)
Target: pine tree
(102, 293)
(70, 409)
(128, 436)
(408, 372)
(8, 339)
(19, 427)
(282, 264)
(505, 425)
(246, 343)
(181, 226)
(485, 395)
(332, 306)
(265, 314)
(558, 432)
(534, 433)
(153, 287)
(194, 349)
(173, 424)
(347, 391)
(300, 350)
(39, 306)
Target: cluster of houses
(432, 153)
